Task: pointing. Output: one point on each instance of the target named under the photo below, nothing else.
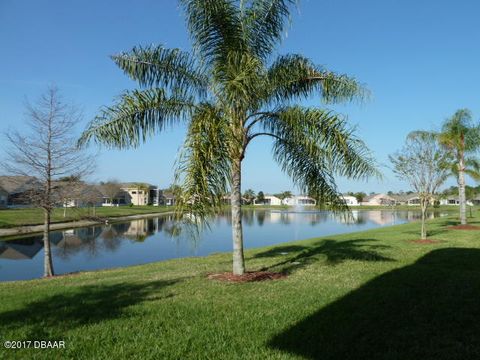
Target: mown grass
(18, 217)
(367, 295)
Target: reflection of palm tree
(260, 217)
(248, 217)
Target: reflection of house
(299, 200)
(350, 200)
(137, 228)
(18, 189)
(268, 200)
(20, 249)
(382, 217)
(378, 199)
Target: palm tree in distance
(462, 138)
(230, 90)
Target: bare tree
(111, 189)
(424, 164)
(47, 150)
(91, 196)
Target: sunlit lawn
(18, 217)
(368, 295)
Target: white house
(454, 200)
(299, 200)
(269, 200)
(350, 200)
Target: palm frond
(237, 79)
(203, 168)
(330, 134)
(264, 23)
(165, 68)
(294, 77)
(312, 145)
(136, 115)
(215, 27)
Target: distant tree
(360, 196)
(423, 163)
(284, 195)
(111, 189)
(260, 198)
(47, 150)
(91, 196)
(461, 137)
(249, 196)
(174, 189)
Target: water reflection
(153, 239)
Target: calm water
(147, 240)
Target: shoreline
(35, 229)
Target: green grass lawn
(367, 295)
(18, 217)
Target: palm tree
(249, 196)
(230, 90)
(462, 138)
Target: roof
(405, 197)
(168, 195)
(18, 184)
(134, 185)
(370, 197)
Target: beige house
(140, 193)
(379, 200)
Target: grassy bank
(18, 217)
(372, 295)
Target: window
(134, 192)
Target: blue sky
(420, 59)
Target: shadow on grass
(52, 316)
(428, 310)
(334, 251)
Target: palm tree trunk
(237, 230)
(461, 193)
(47, 262)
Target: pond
(147, 240)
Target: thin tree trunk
(237, 231)
(47, 264)
(461, 193)
(423, 233)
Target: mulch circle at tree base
(247, 277)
